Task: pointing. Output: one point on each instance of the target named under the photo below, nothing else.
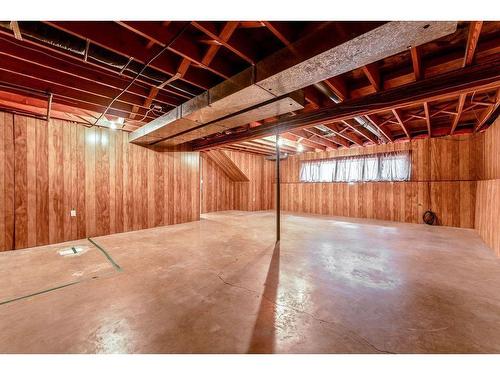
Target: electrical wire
(140, 120)
(141, 71)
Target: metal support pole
(278, 191)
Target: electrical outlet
(73, 213)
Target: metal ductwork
(292, 102)
(287, 71)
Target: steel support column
(278, 190)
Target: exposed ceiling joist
(373, 74)
(304, 141)
(338, 86)
(15, 29)
(460, 107)
(488, 112)
(207, 28)
(271, 79)
(314, 139)
(355, 127)
(428, 119)
(397, 115)
(351, 138)
(331, 138)
(476, 77)
(472, 40)
(380, 127)
(416, 60)
(131, 47)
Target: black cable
(141, 71)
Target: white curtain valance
(391, 166)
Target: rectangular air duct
(293, 102)
(289, 70)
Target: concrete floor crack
(350, 333)
(235, 285)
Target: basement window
(391, 166)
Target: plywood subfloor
(334, 285)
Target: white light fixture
(115, 123)
(280, 142)
(300, 148)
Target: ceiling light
(112, 125)
(300, 148)
(280, 142)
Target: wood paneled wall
(220, 193)
(437, 159)
(6, 181)
(113, 185)
(256, 194)
(488, 213)
(453, 201)
(488, 189)
(217, 189)
(487, 146)
(443, 179)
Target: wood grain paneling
(21, 184)
(487, 213)
(47, 169)
(487, 149)
(252, 195)
(217, 189)
(399, 201)
(488, 189)
(435, 159)
(225, 163)
(443, 180)
(7, 175)
(256, 194)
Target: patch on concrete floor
(30, 272)
(73, 250)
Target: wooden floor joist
(468, 79)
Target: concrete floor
(335, 285)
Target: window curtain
(318, 171)
(395, 167)
(392, 166)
